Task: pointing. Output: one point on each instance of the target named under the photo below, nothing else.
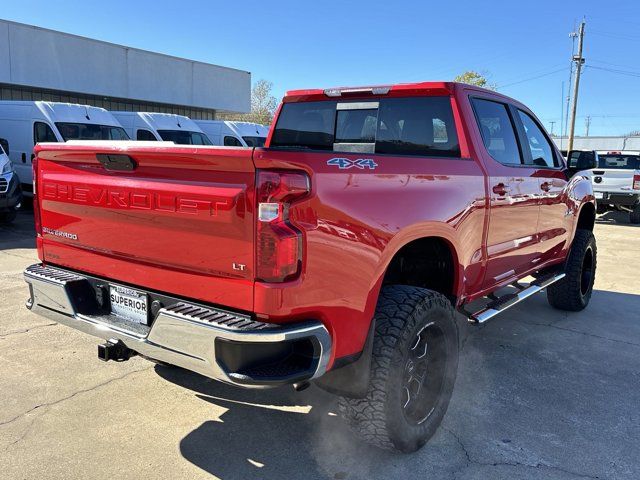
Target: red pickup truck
(339, 253)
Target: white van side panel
(17, 119)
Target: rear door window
(420, 126)
(498, 132)
(537, 142)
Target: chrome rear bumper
(203, 339)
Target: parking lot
(540, 394)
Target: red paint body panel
(184, 216)
(176, 223)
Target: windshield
(90, 131)
(619, 161)
(184, 138)
(255, 141)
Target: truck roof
(415, 88)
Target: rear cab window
(619, 161)
(418, 126)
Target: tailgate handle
(116, 161)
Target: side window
(231, 142)
(43, 133)
(498, 134)
(145, 135)
(541, 150)
(201, 139)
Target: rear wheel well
(587, 217)
(427, 263)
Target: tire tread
(396, 306)
(565, 294)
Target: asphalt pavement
(540, 394)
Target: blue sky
(320, 44)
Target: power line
(612, 64)
(615, 70)
(533, 78)
(615, 35)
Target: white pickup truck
(615, 176)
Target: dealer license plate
(129, 304)
(599, 194)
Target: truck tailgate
(613, 180)
(181, 221)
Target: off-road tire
(574, 291)
(403, 315)
(8, 217)
(634, 215)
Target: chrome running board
(500, 304)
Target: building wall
(12, 92)
(600, 143)
(44, 59)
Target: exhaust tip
(299, 387)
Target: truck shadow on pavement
(267, 434)
(615, 218)
(534, 374)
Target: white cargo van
(234, 134)
(25, 123)
(166, 127)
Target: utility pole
(552, 122)
(579, 61)
(587, 124)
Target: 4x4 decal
(345, 163)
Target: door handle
(501, 189)
(546, 186)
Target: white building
(599, 143)
(41, 64)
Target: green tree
(263, 105)
(475, 78)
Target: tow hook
(117, 351)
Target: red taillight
(278, 241)
(36, 205)
(36, 208)
(636, 182)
